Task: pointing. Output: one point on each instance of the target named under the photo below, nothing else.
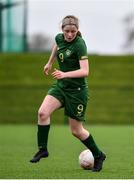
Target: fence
(13, 25)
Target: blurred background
(27, 32)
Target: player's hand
(47, 68)
(57, 74)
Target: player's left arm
(82, 72)
(84, 67)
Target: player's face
(70, 32)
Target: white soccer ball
(86, 159)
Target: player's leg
(48, 106)
(86, 138)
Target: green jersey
(68, 56)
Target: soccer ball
(86, 159)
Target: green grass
(23, 87)
(18, 144)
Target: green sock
(42, 136)
(90, 144)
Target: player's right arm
(49, 64)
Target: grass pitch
(18, 145)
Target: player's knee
(76, 133)
(43, 115)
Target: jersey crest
(68, 52)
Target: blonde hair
(71, 20)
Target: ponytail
(79, 34)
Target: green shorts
(74, 101)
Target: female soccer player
(70, 91)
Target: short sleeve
(82, 50)
(58, 38)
